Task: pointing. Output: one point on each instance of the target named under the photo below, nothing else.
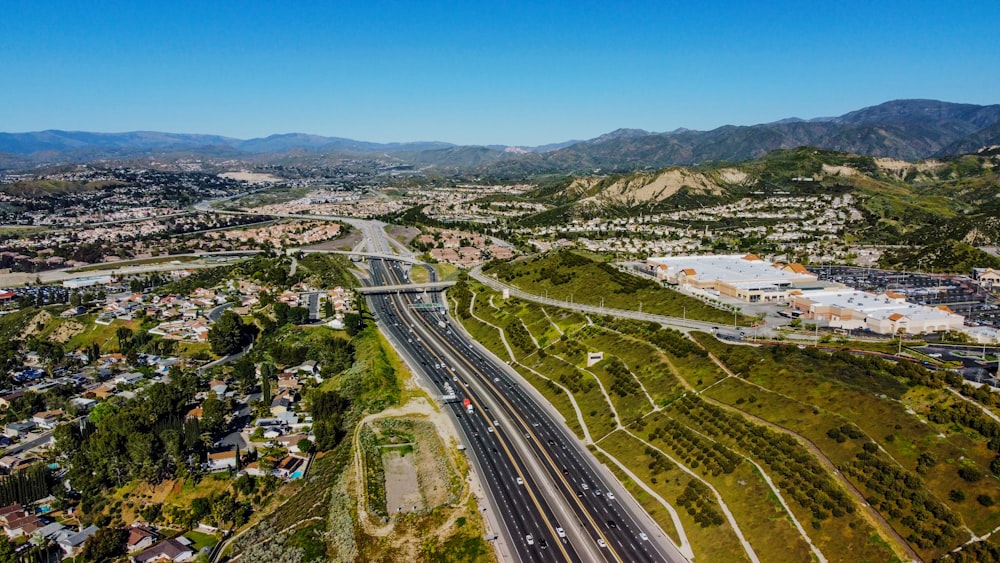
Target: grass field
(570, 276)
(815, 394)
(710, 543)
(668, 366)
(200, 540)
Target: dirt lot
(402, 488)
(403, 234)
(346, 243)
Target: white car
(520, 481)
(643, 536)
(560, 532)
(601, 543)
(489, 429)
(530, 539)
(611, 496)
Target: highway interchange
(552, 500)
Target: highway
(548, 495)
(514, 494)
(596, 522)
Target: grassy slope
(743, 489)
(568, 275)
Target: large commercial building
(886, 313)
(742, 276)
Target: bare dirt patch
(404, 235)
(645, 188)
(839, 170)
(346, 243)
(250, 177)
(65, 331)
(35, 325)
(402, 487)
(733, 176)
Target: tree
(281, 313)
(227, 335)
(305, 445)
(213, 413)
(106, 544)
(7, 553)
(244, 373)
(266, 373)
(124, 335)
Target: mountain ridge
(902, 129)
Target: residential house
(17, 522)
(281, 403)
(140, 537)
(219, 387)
(174, 549)
(47, 532)
(47, 419)
(9, 398)
(71, 541)
(17, 462)
(291, 442)
(19, 429)
(83, 403)
(287, 467)
(222, 460)
(288, 381)
(308, 366)
(128, 378)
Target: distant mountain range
(903, 129)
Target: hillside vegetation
(941, 201)
(572, 276)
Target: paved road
(216, 313)
(514, 494)
(569, 474)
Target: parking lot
(959, 293)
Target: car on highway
(586, 487)
(611, 496)
(601, 542)
(520, 481)
(643, 536)
(543, 544)
(597, 492)
(560, 532)
(612, 524)
(489, 429)
(530, 539)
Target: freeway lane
(571, 471)
(521, 510)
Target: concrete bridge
(405, 288)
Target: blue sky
(479, 73)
